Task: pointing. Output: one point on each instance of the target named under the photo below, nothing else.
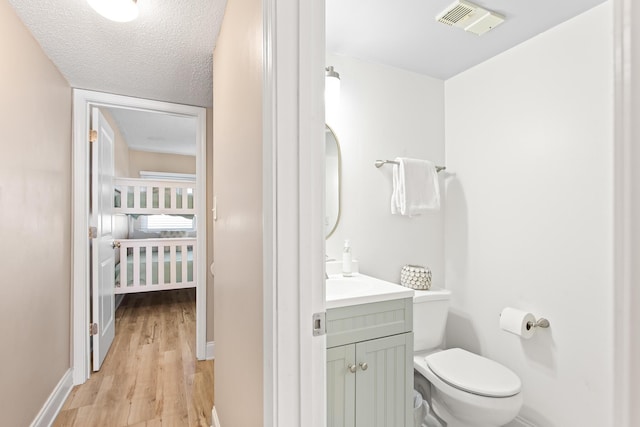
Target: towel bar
(380, 163)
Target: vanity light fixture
(331, 91)
(330, 72)
(116, 10)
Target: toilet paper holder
(540, 323)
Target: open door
(102, 244)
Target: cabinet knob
(352, 368)
(364, 366)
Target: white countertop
(361, 289)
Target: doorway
(84, 101)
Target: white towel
(415, 187)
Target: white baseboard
(52, 406)
(215, 422)
(211, 350)
(520, 422)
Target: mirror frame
(335, 137)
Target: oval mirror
(333, 176)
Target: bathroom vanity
(369, 353)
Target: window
(167, 223)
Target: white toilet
(467, 390)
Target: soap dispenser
(346, 259)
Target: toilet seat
(473, 374)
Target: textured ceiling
(406, 35)
(165, 54)
(156, 132)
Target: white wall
(529, 215)
(385, 113)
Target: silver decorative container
(415, 277)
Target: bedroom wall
(529, 215)
(35, 223)
(159, 162)
(237, 177)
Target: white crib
(158, 263)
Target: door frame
(626, 357)
(83, 100)
(294, 362)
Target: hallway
(150, 376)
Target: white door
(102, 250)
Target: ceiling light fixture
(116, 10)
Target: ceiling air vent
(456, 12)
(470, 17)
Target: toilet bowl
(481, 399)
(467, 390)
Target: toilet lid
(474, 374)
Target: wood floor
(150, 376)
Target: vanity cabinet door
(384, 382)
(341, 386)
(370, 365)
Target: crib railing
(146, 197)
(155, 265)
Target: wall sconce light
(331, 93)
(330, 72)
(116, 10)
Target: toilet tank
(430, 309)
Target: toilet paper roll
(515, 321)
